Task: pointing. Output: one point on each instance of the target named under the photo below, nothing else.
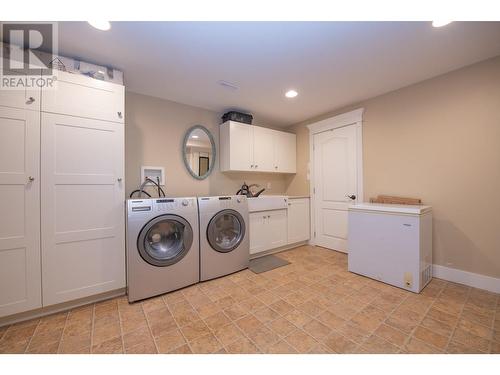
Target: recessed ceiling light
(101, 25)
(291, 94)
(440, 23)
(195, 136)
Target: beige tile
(194, 330)
(75, 344)
(339, 344)
(170, 341)
(281, 307)
(19, 332)
(46, 337)
(242, 346)
(228, 334)
(111, 346)
(470, 340)
(311, 307)
(268, 297)
(281, 326)
(459, 348)
(47, 348)
(416, 346)
(377, 345)
(184, 349)
(153, 304)
(163, 323)
(208, 309)
(205, 344)
(216, 321)
(442, 316)
(431, 337)
(316, 329)
(147, 347)
(266, 314)
(391, 334)
(281, 347)
(298, 318)
(249, 324)
(235, 311)
(495, 348)
(133, 321)
(301, 341)
(330, 319)
(263, 337)
(13, 345)
(343, 311)
(105, 331)
(476, 329)
(141, 336)
(354, 332)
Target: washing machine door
(226, 230)
(165, 240)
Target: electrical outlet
(408, 279)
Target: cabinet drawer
(81, 96)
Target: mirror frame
(184, 153)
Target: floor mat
(266, 263)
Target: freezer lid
(391, 208)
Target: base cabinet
(298, 220)
(277, 228)
(268, 230)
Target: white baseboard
(475, 280)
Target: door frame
(354, 117)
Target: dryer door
(226, 230)
(165, 240)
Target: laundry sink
(267, 202)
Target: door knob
(119, 114)
(352, 196)
(30, 100)
(119, 179)
(31, 178)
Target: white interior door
(335, 179)
(82, 191)
(20, 280)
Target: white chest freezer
(391, 243)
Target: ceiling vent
(228, 85)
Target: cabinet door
(263, 149)
(20, 280)
(298, 220)
(82, 191)
(285, 152)
(258, 232)
(241, 147)
(77, 95)
(277, 228)
(29, 98)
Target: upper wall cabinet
(255, 149)
(29, 98)
(77, 95)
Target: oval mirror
(198, 151)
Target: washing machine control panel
(168, 204)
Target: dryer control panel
(161, 205)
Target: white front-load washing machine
(224, 237)
(162, 246)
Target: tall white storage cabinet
(20, 280)
(82, 190)
(61, 193)
(391, 243)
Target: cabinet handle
(119, 114)
(30, 100)
(256, 165)
(251, 166)
(268, 216)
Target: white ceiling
(330, 64)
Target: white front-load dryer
(224, 236)
(162, 246)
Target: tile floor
(312, 305)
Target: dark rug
(266, 263)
